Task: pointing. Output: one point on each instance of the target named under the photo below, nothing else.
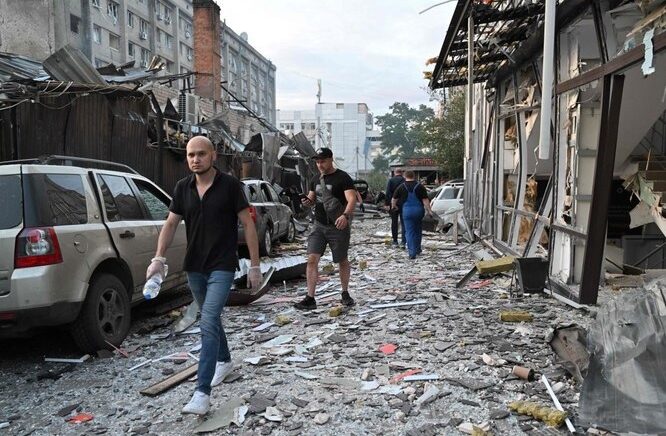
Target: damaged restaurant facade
(578, 180)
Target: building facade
(343, 127)
(121, 31)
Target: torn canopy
(625, 388)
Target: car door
(157, 203)
(271, 208)
(133, 233)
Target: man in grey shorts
(324, 231)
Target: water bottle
(153, 284)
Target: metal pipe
(547, 78)
(470, 92)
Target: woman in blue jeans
(412, 198)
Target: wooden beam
(170, 381)
(603, 178)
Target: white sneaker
(198, 405)
(222, 370)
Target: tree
(381, 164)
(445, 135)
(402, 129)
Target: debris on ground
(447, 368)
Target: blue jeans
(211, 291)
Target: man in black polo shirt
(326, 230)
(211, 204)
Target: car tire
(290, 236)
(266, 242)
(105, 315)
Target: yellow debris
(550, 416)
(335, 311)
(362, 264)
(478, 431)
(328, 269)
(425, 334)
(495, 266)
(516, 316)
(282, 320)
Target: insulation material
(625, 388)
(271, 148)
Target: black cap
(323, 153)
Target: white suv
(75, 242)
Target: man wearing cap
(334, 231)
(395, 212)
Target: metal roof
(500, 26)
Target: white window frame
(130, 19)
(131, 51)
(112, 9)
(95, 3)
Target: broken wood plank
(503, 264)
(59, 360)
(170, 381)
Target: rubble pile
(415, 356)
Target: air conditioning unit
(158, 17)
(143, 35)
(189, 57)
(188, 34)
(188, 107)
(167, 19)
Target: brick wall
(207, 59)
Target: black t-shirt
(211, 222)
(401, 191)
(337, 182)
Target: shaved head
(201, 140)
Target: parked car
(75, 242)
(273, 217)
(450, 196)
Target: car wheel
(266, 242)
(291, 232)
(105, 315)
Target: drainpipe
(547, 79)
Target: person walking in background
(333, 190)
(412, 198)
(395, 213)
(211, 203)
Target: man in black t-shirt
(332, 230)
(412, 199)
(396, 214)
(211, 203)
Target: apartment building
(344, 127)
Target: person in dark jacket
(396, 214)
(412, 198)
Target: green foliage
(381, 164)
(402, 127)
(445, 136)
(377, 180)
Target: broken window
(74, 23)
(130, 49)
(97, 34)
(112, 9)
(114, 41)
(130, 19)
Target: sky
(364, 51)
